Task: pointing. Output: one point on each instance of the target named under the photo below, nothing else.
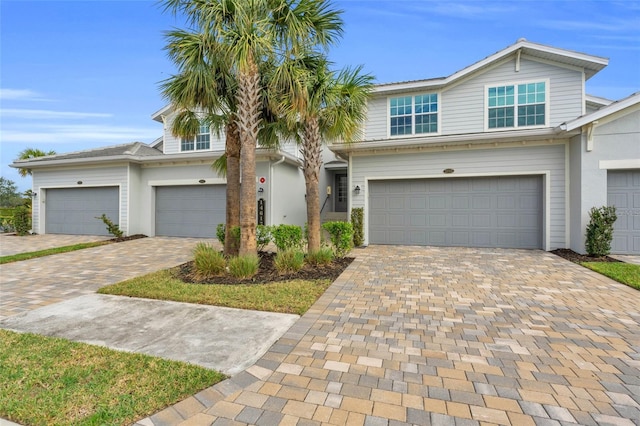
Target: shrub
(357, 220)
(600, 230)
(221, 232)
(244, 266)
(21, 220)
(208, 261)
(341, 234)
(263, 236)
(6, 223)
(112, 228)
(322, 256)
(290, 260)
(287, 237)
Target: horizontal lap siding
(172, 143)
(90, 177)
(493, 162)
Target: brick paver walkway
(33, 283)
(444, 336)
(13, 244)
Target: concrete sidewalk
(223, 339)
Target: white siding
(486, 162)
(288, 204)
(172, 143)
(69, 178)
(462, 105)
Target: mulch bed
(574, 257)
(128, 238)
(267, 272)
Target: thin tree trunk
(232, 147)
(312, 154)
(248, 122)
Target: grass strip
(625, 273)
(48, 252)
(45, 380)
(291, 297)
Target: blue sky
(81, 74)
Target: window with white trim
(201, 142)
(413, 115)
(516, 105)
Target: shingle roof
(137, 149)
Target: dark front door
(341, 192)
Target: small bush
(290, 260)
(21, 220)
(112, 228)
(221, 232)
(263, 236)
(287, 237)
(244, 266)
(357, 220)
(341, 234)
(322, 256)
(6, 223)
(600, 230)
(208, 261)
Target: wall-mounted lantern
(356, 190)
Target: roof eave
(612, 108)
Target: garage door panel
(190, 211)
(418, 220)
(419, 203)
(74, 210)
(461, 212)
(623, 192)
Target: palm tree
(29, 153)
(248, 33)
(324, 105)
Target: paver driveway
(420, 335)
(34, 283)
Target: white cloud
(21, 95)
(42, 114)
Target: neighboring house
(166, 188)
(508, 152)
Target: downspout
(280, 161)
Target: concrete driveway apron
(446, 336)
(34, 283)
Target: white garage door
(474, 212)
(190, 211)
(623, 191)
(74, 210)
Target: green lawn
(293, 297)
(47, 252)
(46, 380)
(625, 273)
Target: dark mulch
(267, 272)
(574, 257)
(128, 238)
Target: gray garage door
(624, 192)
(74, 210)
(474, 212)
(190, 211)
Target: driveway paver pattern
(13, 244)
(444, 336)
(34, 283)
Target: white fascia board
(601, 113)
(157, 116)
(412, 143)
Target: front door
(341, 195)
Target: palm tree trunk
(248, 122)
(232, 148)
(312, 153)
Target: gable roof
(591, 64)
(603, 112)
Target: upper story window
(516, 105)
(412, 115)
(202, 141)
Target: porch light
(356, 190)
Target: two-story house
(509, 152)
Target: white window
(413, 115)
(517, 105)
(201, 142)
